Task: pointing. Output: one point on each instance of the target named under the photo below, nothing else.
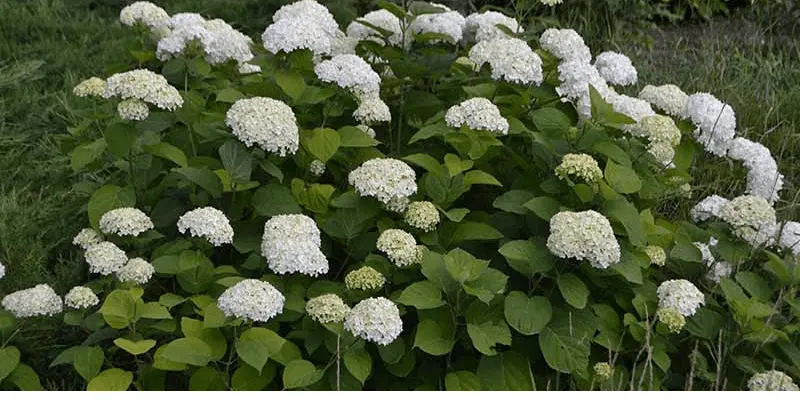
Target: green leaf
(300, 373)
(237, 160)
(613, 152)
(274, 199)
(478, 177)
(566, 341)
(135, 348)
(352, 136)
(505, 371)
(65, 357)
(527, 257)
(107, 198)
(204, 178)
(247, 378)
(544, 207)
(462, 381)
(359, 363)
(229, 95)
(9, 359)
(120, 139)
(463, 266)
(191, 350)
(322, 143)
(513, 201)
(622, 179)
(113, 379)
(573, 290)
(257, 345)
(272, 169)
(160, 362)
(292, 83)
(393, 8)
(152, 310)
(211, 336)
(480, 90)
(421, 295)
(435, 333)
(87, 361)
(119, 309)
(25, 378)
(435, 269)
(315, 197)
(551, 121)
(208, 379)
(624, 212)
(85, 154)
(471, 230)
(427, 132)
(527, 315)
(486, 327)
(630, 265)
(757, 286)
(425, 161)
(195, 271)
(168, 152)
(489, 284)
(456, 165)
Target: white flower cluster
(399, 246)
(146, 86)
(477, 113)
(585, 235)
(36, 301)
(680, 295)
(717, 269)
(218, 40)
(80, 297)
(350, 72)
(317, 168)
(582, 166)
(136, 270)
(668, 98)
(376, 320)
(763, 178)
(268, 123)
(386, 179)
(662, 135)
(327, 309)
(715, 120)
(105, 258)
(304, 24)
(616, 68)
(252, 300)
(209, 223)
(772, 381)
(422, 215)
(634, 108)
(372, 110)
(365, 278)
(86, 238)
(751, 218)
(2, 270)
(382, 19)
(483, 26)
(132, 110)
(93, 86)
(566, 44)
(126, 221)
(790, 237)
(291, 244)
(576, 76)
(656, 254)
(707, 208)
(448, 22)
(146, 13)
(511, 60)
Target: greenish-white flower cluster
(81, 297)
(375, 320)
(585, 235)
(751, 218)
(126, 221)
(477, 113)
(365, 278)
(132, 110)
(39, 300)
(399, 246)
(672, 319)
(86, 238)
(94, 87)
(105, 258)
(680, 295)
(327, 309)
(772, 381)
(656, 254)
(146, 86)
(668, 98)
(208, 223)
(136, 270)
(251, 300)
(662, 135)
(603, 370)
(581, 166)
(422, 215)
(145, 13)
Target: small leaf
(544, 207)
(359, 363)
(478, 177)
(352, 136)
(526, 315)
(573, 290)
(113, 379)
(421, 295)
(168, 152)
(462, 381)
(229, 95)
(622, 179)
(135, 348)
(192, 351)
(237, 160)
(300, 373)
(257, 345)
(427, 132)
(322, 143)
(204, 178)
(247, 378)
(84, 155)
(87, 361)
(513, 201)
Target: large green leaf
(119, 309)
(168, 152)
(25, 378)
(421, 295)
(435, 332)
(247, 378)
(528, 257)
(461, 381)
(543, 207)
(463, 266)
(292, 83)
(486, 327)
(513, 201)
(359, 363)
(527, 315)
(84, 155)
(208, 379)
(622, 179)
(487, 286)
(135, 348)
(624, 212)
(120, 138)
(566, 341)
(9, 359)
(203, 177)
(427, 132)
(505, 371)
(211, 336)
(573, 290)
(274, 199)
(237, 160)
(322, 143)
(191, 350)
(113, 379)
(351, 136)
(87, 361)
(257, 345)
(300, 373)
(551, 121)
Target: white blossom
(581, 166)
(715, 120)
(268, 123)
(566, 44)
(680, 295)
(616, 68)
(477, 113)
(707, 208)
(209, 223)
(483, 26)
(126, 221)
(81, 297)
(105, 258)
(448, 22)
(310, 12)
(218, 40)
(376, 320)
(136, 270)
(372, 110)
(399, 246)
(327, 309)
(576, 77)
(772, 381)
(36, 301)
(585, 235)
(763, 178)
(662, 135)
(656, 254)
(366, 129)
(717, 269)
(2, 270)
(365, 278)
(790, 237)
(350, 72)
(304, 24)
(668, 98)
(251, 300)
(511, 59)
(291, 244)
(146, 13)
(382, 19)
(146, 86)
(634, 108)
(87, 237)
(553, 3)
(317, 168)
(422, 215)
(132, 110)
(247, 68)
(386, 179)
(93, 86)
(751, 218)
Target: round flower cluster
(209, 223)
(386, 179)
(136, 270)
(477, 113)
(483, 26)
(707, 208)
(91, 87)
(582, 166)
(350, 72)
(382, 19)
(672, 319)
(576, 76)
(566, 44)
(422, 215)
(132, 110)
(603, 370)
(252, 300)
(144, 85)
(751, 218)
(715, 120)
(291, 244)
(304, 24)
(511, 60)
(399, 246)
(662, 136)
(669, 98)
(365, 278)
(772, 381)
(634, 108)
(372, 110)
(763, 178)
(681, 295)
(86, 238)
(146, 13)
(656, 255)
(448, 23)
(218, 40)
(616, 68)
(81, 297)
(268, 123)
(38, 300)
(375, 320)
(317, 168)
(126, 221)
(717, 269)
(585, 235)
(327, 309)
(105, 258)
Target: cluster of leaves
(488, 307)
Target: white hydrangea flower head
(366, 129)
(218, 40)
(304, 24)
(146, 86)
(251, 300)
(80, 297)
(136, 270)
(707, 208)
(399, 246)
(105, 258)
(681, 295)
(790, 237)
(751, 218)
(585, 235)
(291, 245)
(145, 13)
(566, 44)
(580, 165)
(477, 113)
(93, 86)
(351, 72)
(36, 301)
(386, 179)
(125, 221)
(247, 68)
(309, 11)
(668, 98)
(317, 168)
(372, 110)
(327, 309)
(208, 223)
(483, 26)
(267, 123)
(422, 215)
(634, 108)
(376, 320)
(342, 44)
(382, 19)
(449, 23)
(672, 319)
(603, 370)
(133, 110)
(397, 205)
(772, 381)
(576, 77)
(511, 60)
(662, 135)
(365, 278)
(657, 255)
(763, 178)
(715, 120)
(185, 18)
(87, 237)
(553, 3)
(616, 68)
